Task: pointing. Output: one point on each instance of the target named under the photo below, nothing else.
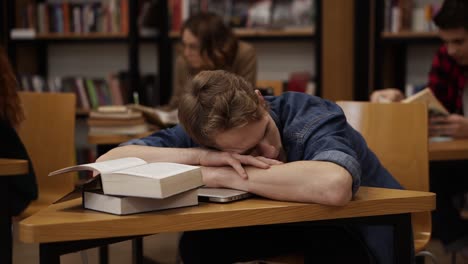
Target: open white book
(427, 97)
(136, 177)
(124, 205)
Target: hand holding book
(454, 126)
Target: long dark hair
(10, 105)
(217, 41)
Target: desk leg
(137, 254)
(104, 254)
(5, 239)
(48, 254)
(403, 239)
(5, 223)
(51, 252)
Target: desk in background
(105, 143)
(8, 168)
(67, 227)
(448, 150)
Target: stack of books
(116, 120)
(131, 185)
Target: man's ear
(260, 97)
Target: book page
(104, 166)
(427, 97)
(157, 170)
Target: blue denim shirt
(312, 128)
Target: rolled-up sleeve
(344, 160)
(329, 138)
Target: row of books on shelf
(90, 92)
(94, 92)
(247, 13)
(105, 16)
(406, 15)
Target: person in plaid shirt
(448, 80)
(449, 72)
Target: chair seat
(421, 239)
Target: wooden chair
(275, 85)
(397, 133)
(48, 133)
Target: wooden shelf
(82, 112)
(115, 139)
(410, 35)
(306, 32)
(81, 36)
(75, 37)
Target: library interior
(324, 131)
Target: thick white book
(135, 177)
(124, 205)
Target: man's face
(457, 44)
(258, 138)
(191, 49)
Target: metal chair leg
(426, 253)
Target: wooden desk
(105, 143)
(67, 224)
(448, 150)
(8, 167)
(114, 139)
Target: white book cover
(135, 177)
(124, 205)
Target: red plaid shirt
(447, 80)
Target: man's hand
(219, 176)
(212, 158)
(386, 96)
(454, 125)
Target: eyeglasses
(190, 47)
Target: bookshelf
(163, 41)
(38, 45)
(384, 47)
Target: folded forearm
(302, 181)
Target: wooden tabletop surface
(13, 167)
(67, 220)
(114, 139)
(448, 150)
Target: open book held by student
(427, 97)
(135, 177)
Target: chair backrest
(397, 134)
(48, 134)
(275, 85)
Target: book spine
(93, 97)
